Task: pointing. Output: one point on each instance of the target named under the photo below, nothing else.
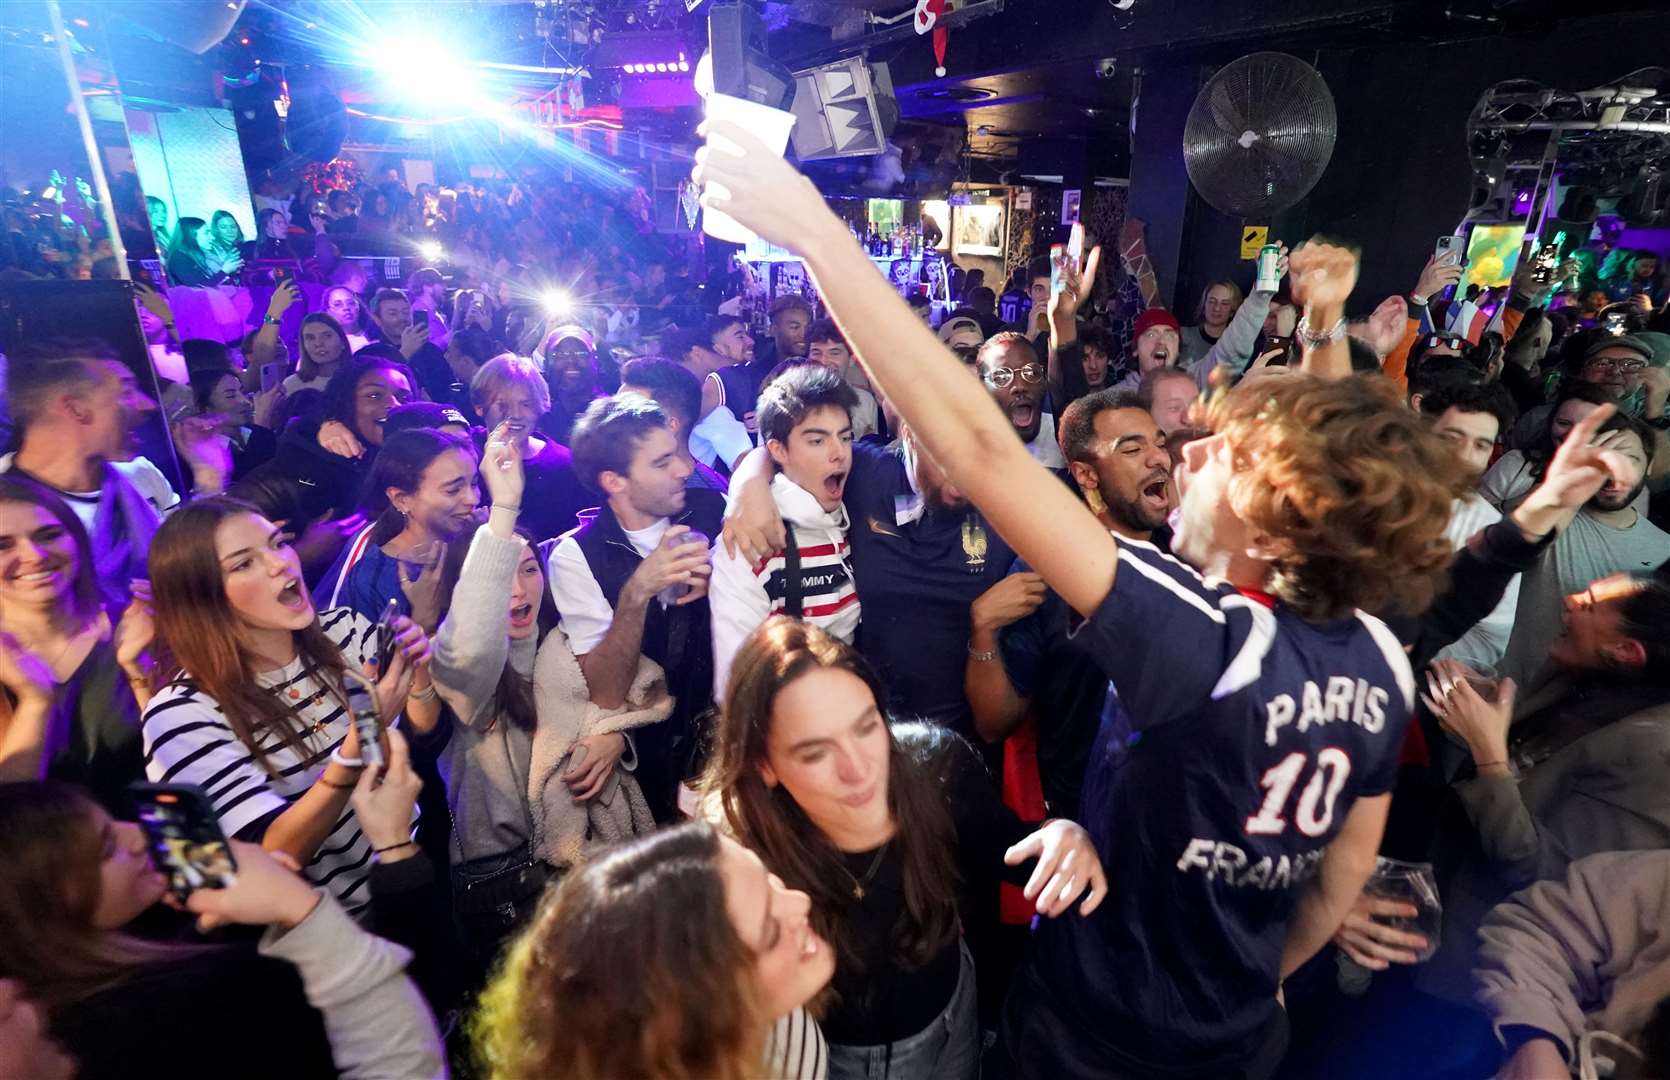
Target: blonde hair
(508, 369)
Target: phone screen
(184, 838)
(1056, 284)
(1075, 243)
(420, 319)
(362, 710)
(385, 637)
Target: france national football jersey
(1236, 738)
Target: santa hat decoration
(927, 18)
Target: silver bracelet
(981, 657)
(1314, 340)
(345, 761)
(425, 694)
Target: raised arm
(1323, 277)
(474, 638)
(952, 415)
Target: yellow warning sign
(1253, 237)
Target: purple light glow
(1522, 201)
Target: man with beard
(569, 354)
(78, 410)
(1608, 536)
(736, 386)
(1470, 417)
(609, 576)
(1012, 372)
(1021, 660)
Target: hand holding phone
(363, 715)
(420, 319)
(184, 838)
(386, 636)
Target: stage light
(556, 302)
(430, 250)
(424, 70)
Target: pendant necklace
(858, 883)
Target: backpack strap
(793, 601)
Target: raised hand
(740, 176)
(1480, 722)
(413, 338)
(1440, 272)
(1580, 467)
(1386, 325)
(284, 298)
(1079, 284)
(206, 451)
(501, 469)
(1323, 275)
(154, 302)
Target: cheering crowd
(1058, 698)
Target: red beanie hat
(1155, 317)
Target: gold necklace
(858, 883)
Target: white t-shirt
(586, 613)
(295, 383)
(146, 478)
(719, 437)
(1044, 448)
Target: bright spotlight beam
(430, 250)
(556, 302)
(424, 70)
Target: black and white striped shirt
(795, 1049)
(188, 741)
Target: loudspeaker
(197, 25)
(318, 121)
(741, 66)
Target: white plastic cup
(770, 126)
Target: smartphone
(1454, 246)
(1057, 285)
(362, 713)
(271, 376)
(280, 276)
(1075, 243)
(1615, 323)
(420, 319)
(184, 837)
(385, 637)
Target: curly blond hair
(1350, 485)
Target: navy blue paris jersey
(1235, 740)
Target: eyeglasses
(1002, 377)
(966, 353)
(1625, 365)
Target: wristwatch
(270, 320)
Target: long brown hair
(51, 849)
(631, 969)
(768, 820)
(200, 631)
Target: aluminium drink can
(1269, 277)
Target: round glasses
(1002, 377)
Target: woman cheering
(879, 824)
(256, 714)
